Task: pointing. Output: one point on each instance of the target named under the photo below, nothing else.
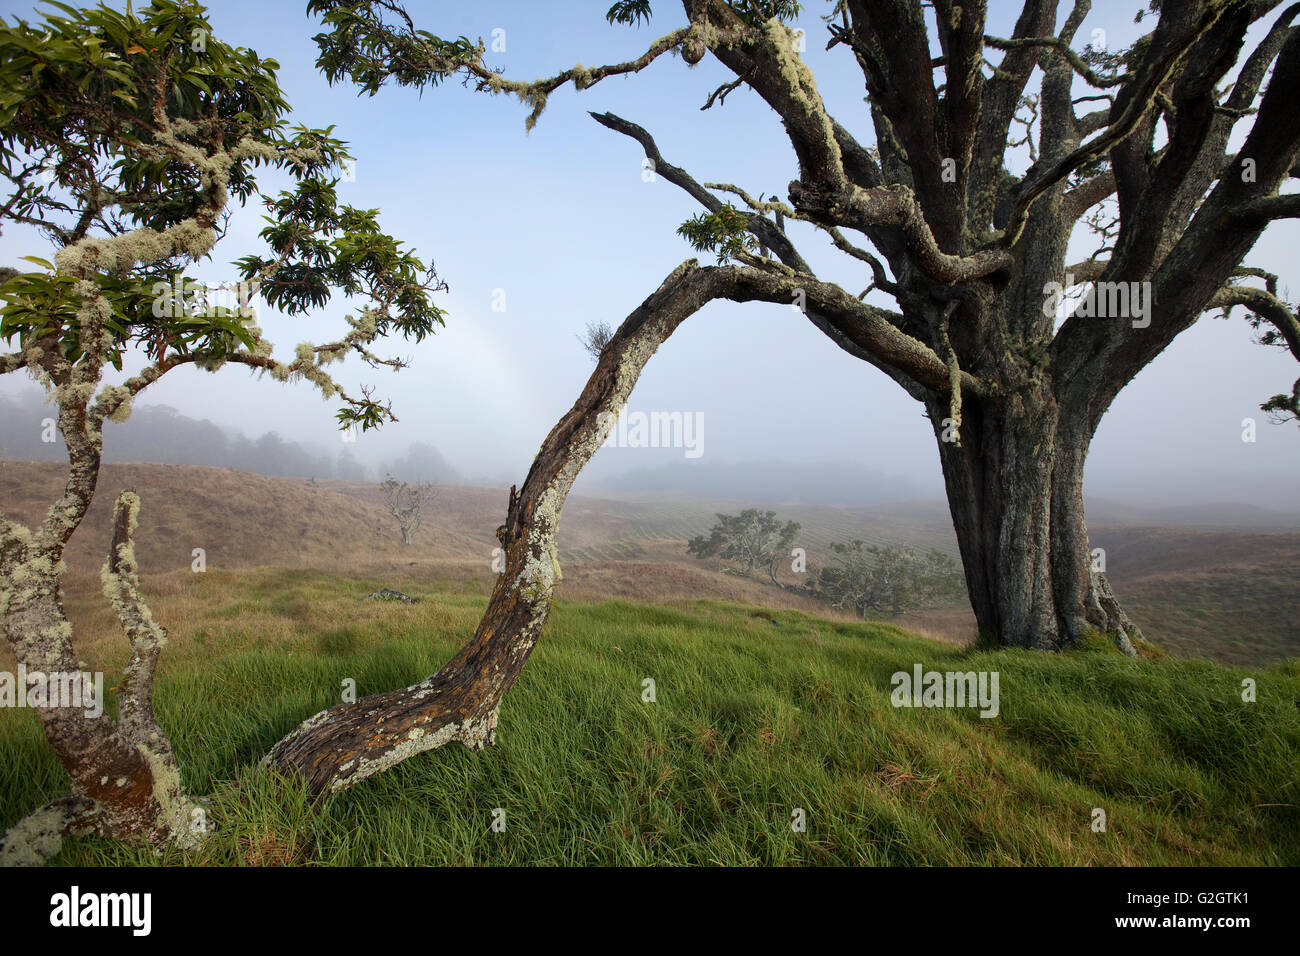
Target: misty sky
(562, 221)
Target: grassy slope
(752, 720)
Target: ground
(765, 704)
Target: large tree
(972, 256)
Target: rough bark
(125, 783)
(1015, 491)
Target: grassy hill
(757, 714)
(767, 702)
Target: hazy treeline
(161, 434)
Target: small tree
(406, 502)
(125, 137)
(890, 579)
(753, 538)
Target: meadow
(757, 714)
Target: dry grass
(1226, 595)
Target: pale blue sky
(562, 221)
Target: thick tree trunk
(1015, 491)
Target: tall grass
(756, 715)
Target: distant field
(1218, 591)
(758, 714)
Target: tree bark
(1015, 491)
(125, 782)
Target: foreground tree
(125, 139)
(753, 538)
(890, 579)
(973, 255)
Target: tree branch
(838, 329)
(1257, 212)
(897, 206)
(1263, 303)
(1138, 97)
(121, 579)
(1063, 48)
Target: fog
(538, 234)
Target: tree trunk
(125, 782)
(1015, 491)
(350, 742)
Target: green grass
(751, 721)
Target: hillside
(1214, 591)
(757, 715)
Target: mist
(539, 233)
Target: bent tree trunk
(350, 742)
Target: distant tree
(890, 579)
(407, 503)
(753, 538)
(125, 138)
(272, 455)
(596, 337)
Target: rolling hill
(1214, 590)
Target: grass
(1239, 619)
(756, 714)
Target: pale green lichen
(801, 84)
(536, 99)
(34, 839)
(261, 347)
(117, 398)
(417, 741)
(174, 807)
